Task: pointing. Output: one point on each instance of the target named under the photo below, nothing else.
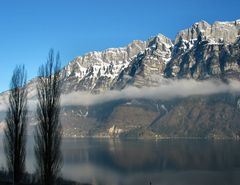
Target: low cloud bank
(167, 90)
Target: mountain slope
(201, 52)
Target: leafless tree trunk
(15, 131)
(48, 132)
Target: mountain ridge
(156, 54)
(201, 52)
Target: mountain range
(157, 88)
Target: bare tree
(15, 131)
(48, 132)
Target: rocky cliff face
(205, 51)
(147, 68)
(204, 60)
(218, 32)
(200, 52)
(140, 63)
(96, 71)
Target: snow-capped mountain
(216, 33)
(205, 51)
(98, 70)
(200, 52)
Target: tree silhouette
(48, 131)
(16, 122)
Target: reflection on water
(161, 162)
(166, 162)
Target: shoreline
(29, 179)
(152, 138)
(144, 138)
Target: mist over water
(130, 162)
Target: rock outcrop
(218, 32)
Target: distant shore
(151, 138)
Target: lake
(139, 162)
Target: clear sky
(29, 28)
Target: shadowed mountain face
(202, 52)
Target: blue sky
(29, 28)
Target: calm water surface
(139, 162)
